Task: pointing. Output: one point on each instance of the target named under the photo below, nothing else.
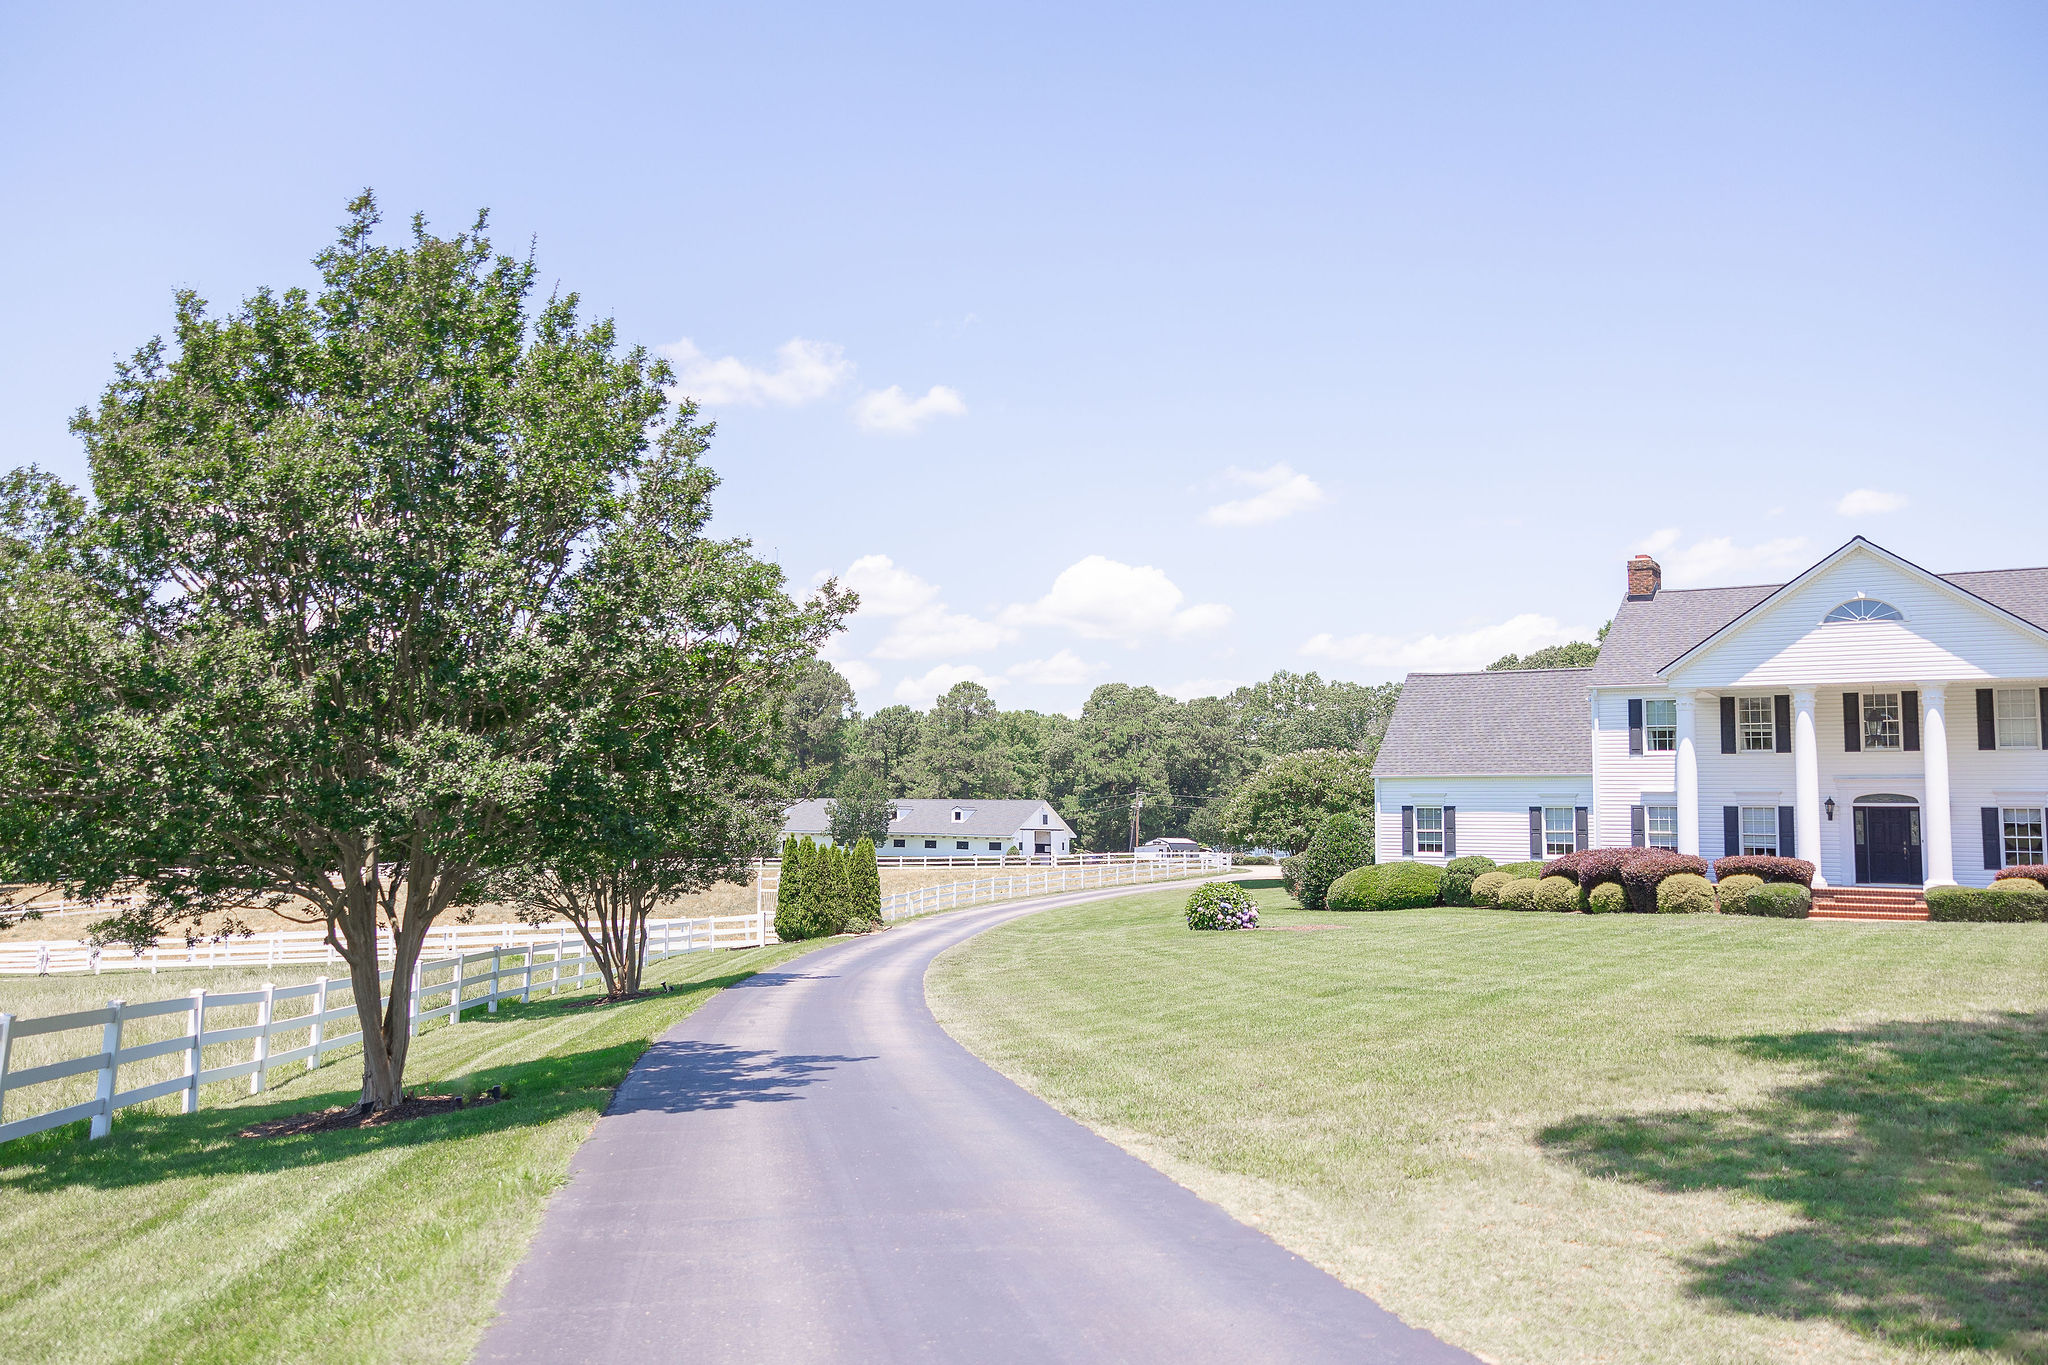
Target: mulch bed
(356, 1116)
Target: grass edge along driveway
(175, 1240)
(1573, 1138)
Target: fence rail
(1036, 881)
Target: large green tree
(888, 746)
(1285, 802)
(322, 650)
(819, 724)
(958, 758)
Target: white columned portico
(1688, 775)
(1806, 781)
(1938, 837)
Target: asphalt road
(809, 1169)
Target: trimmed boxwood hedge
(1387, 886)
(1685, 893)
(1486, 887)
(1607, 899)
(2001, 906)
(1459, 874)
(1771, 900)
(1560, 895)
(1519, 894)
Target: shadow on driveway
(686, 1075)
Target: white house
(1878, 720)
(949, 829)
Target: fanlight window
(1864, 609)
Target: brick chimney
(1644, 578)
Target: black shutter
(1994, 840)
(1987, 719)
(1727, 725)
(1535, 831)
(1731, 831)
(1781, 712)
(1638, 828)
(1909, 718)
(1583, 837)
(1852, 722)
(2041, 718)
(1635, 725)
(1788, 833)
(1450, 832)
(1407, 831)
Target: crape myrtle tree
(332, 627)
(661, 767)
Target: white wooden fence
(483, 977)
(1039, 881)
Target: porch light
(1831, 808)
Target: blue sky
(1160, 344)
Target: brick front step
(1870, 903)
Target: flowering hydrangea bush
(1222, 905)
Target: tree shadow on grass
(153, 1146)
(1916, 1157)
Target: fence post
(412, 1003)
(497, 966)
(195, 1058)
(264, 1011)
(526, 976)
(555, 977)
(110, 1062)
(319, 1022)
(6, 1050)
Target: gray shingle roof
(1514, 722)
(919, 815)
(1646, 636)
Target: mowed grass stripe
(1574, 1138)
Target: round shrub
(2022, 886)
(1459, 874)
(1644, 868)
(1388, 886)
(1557, 894)
(1486, 887)
(1519, 894)
(1734, 890)
(1607, 899)
(1340, 844)
(1772, 900)
(2035, 873)
(1222, 905)
(1685, 893)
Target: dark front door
(1888, 845)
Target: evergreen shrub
(1519, 894)
(1486, 887)
(1387, 886)
(1529, 869)
(2032, 872)
(1339, 845)
(1685, 893)
(1646, 868)
(2004, 905)
(1558, 894)
(1459, 874)
(1607, 899)
(1772, 900)
(1734, 890)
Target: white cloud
(1100, 599)
(924, 628)
(1062, 670)
(885, 589)
(923, 691)
(862, 676)
(1281, 493)
(1719, 560)
(1867, 502)
(1448, 653)
(893, 410)
(1204, 687)
(805, 371)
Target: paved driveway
(809, 1169)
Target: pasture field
(1573, 1138)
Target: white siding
(1620, 778)
(1493, 812)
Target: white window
(1429, 829)
(958, 816)
(1863, 609)
(1660, 725)
(1560, 830)
(1759, 832)
(1756, 727)
(2019, 718)
(1882, 728)
(1660, 826)
(2023, 843)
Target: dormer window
(1860, 608)
(959, 814)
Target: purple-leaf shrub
(2032, 872)
(1644, 868)
(1769, 869)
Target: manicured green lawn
(1574, 1138)
(175, 1240)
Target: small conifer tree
(868, 882)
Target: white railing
(500, 973)
(53, 956)
(1039, 881)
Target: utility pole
(1137, 809)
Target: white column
(1806, 782)
(1937, 837)
(1688, 778)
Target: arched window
(1863, 609)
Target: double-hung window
(1759, 832)
(1560, 830)
(1429, 829)
(2023, 842)
(1883, 721)
(1756, 727)
(1660, 725)
(2019, 718)
(1660, 826)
